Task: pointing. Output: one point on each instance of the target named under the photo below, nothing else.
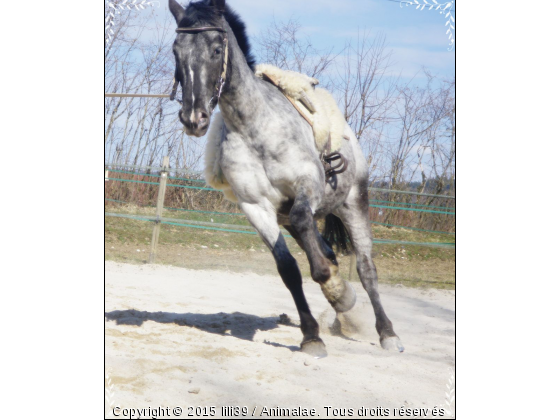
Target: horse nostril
(202, 119)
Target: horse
(267, 155)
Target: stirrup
(331, 170)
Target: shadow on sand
(239, 325)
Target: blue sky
(417, 38)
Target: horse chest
(253, 173)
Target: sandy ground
(189, 338)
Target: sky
(417, 37)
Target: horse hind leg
(354, 215)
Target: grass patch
(129, 241)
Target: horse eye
(218, 51)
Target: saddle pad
(316, 105)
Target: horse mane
(202, 12)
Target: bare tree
(282, 46)
(140, 131)
(367, 94)
(425, 115)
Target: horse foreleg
(322, 260)
(326, 248)
(267, 227)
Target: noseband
(222, 79)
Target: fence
(187, 192)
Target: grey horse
(268, 156)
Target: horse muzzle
(196, 122)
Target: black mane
(202, 12)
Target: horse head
(201, 58)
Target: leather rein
(221, 80)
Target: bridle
(222, 79)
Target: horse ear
(219, 4)
(176, 10)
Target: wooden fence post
(159, 209)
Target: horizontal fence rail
(150, 168)
(243, 215)
(159, 168)
(212, 189)
(430, 212)
(411, 204)
(411, 193)
(157, 176)
(157, 183)
(251, 230)
(409, 209)
(135, 95)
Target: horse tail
(335, 234)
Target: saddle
(318, 107)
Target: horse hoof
(340, 294)
(347, 301)
(392, 343)
(315, 348)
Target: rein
(221, 80)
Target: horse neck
(241, 98)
